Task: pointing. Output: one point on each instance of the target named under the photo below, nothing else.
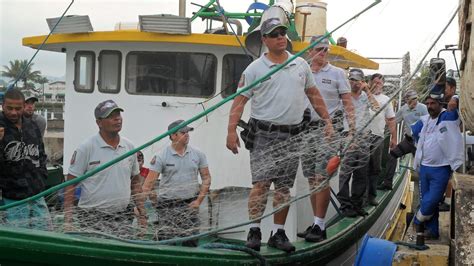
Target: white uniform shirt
(178, 173)
(378, 124)
(110, 189)
(331, 82)
(281, 99)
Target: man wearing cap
(355, 161)
(22, 166)
(336, 92)
(439, 152)
(105, 203)
(342, 41)
(409, 113)
(29, 113)
(377, 128)
(451, 99)
(179, 193)
(277, 107)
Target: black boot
(254, 239)
(280, 241)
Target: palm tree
(17, 67)
(42, 80)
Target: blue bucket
(375, 251)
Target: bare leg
(282, 196)
(320, 199)
(258, 199)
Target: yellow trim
(339, 56)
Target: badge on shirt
(153, 160)
(94, 162)
(73, 158)
(443, 129)
(326, 81)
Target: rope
(11, 85)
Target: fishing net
(224, 212)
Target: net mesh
(225, 211)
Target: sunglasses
(276, 33)
(321, 49)
(437, 96)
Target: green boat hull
(31, 247)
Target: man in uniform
(278, 104)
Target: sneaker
(372, 202)
(315, 234)
(444, 207)
(254, 239)
(280, 241)
(305, 232)
(349, 213)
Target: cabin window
(171, 73)
(110, 66)
(84, 71)
(232, 67)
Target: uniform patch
(153, 160)
(170, 164)
(94, 163)
(241, 81)
(326, 81)
(443, 129)
(73, 158)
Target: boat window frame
(77, 71)
(119, 77)
(215, 58)
(223, 93)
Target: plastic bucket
(375, 251)
(315, 20)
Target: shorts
(176, 219)
(315, 154)
(32, 215)
(275, 157)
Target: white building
(55, 91)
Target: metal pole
(182, 8)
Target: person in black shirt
(22, 166)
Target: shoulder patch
(443, 129)
(153, 160)
(241, 81)
(73, 158)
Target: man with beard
(22, 165)
(104, 204)
(439, 153)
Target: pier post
(464, 219)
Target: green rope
(185, 123)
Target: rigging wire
(11, 85)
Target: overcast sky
(390, 29)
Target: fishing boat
(159, 72)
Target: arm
(392, 126)
(206, 183)
(137, 195)
(149, 184)
(236, 111)
(68, 203)
(374, 104)
(349, 108)
(320, 107)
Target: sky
(390, 29)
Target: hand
(393, 143)
(364, 86)
(194, 205)
(452, 105)
(328, 130)
(2, 132)
(233, 142)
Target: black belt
(269, 126)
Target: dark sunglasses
(276, 33)
(321, 49)
(437, 96)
